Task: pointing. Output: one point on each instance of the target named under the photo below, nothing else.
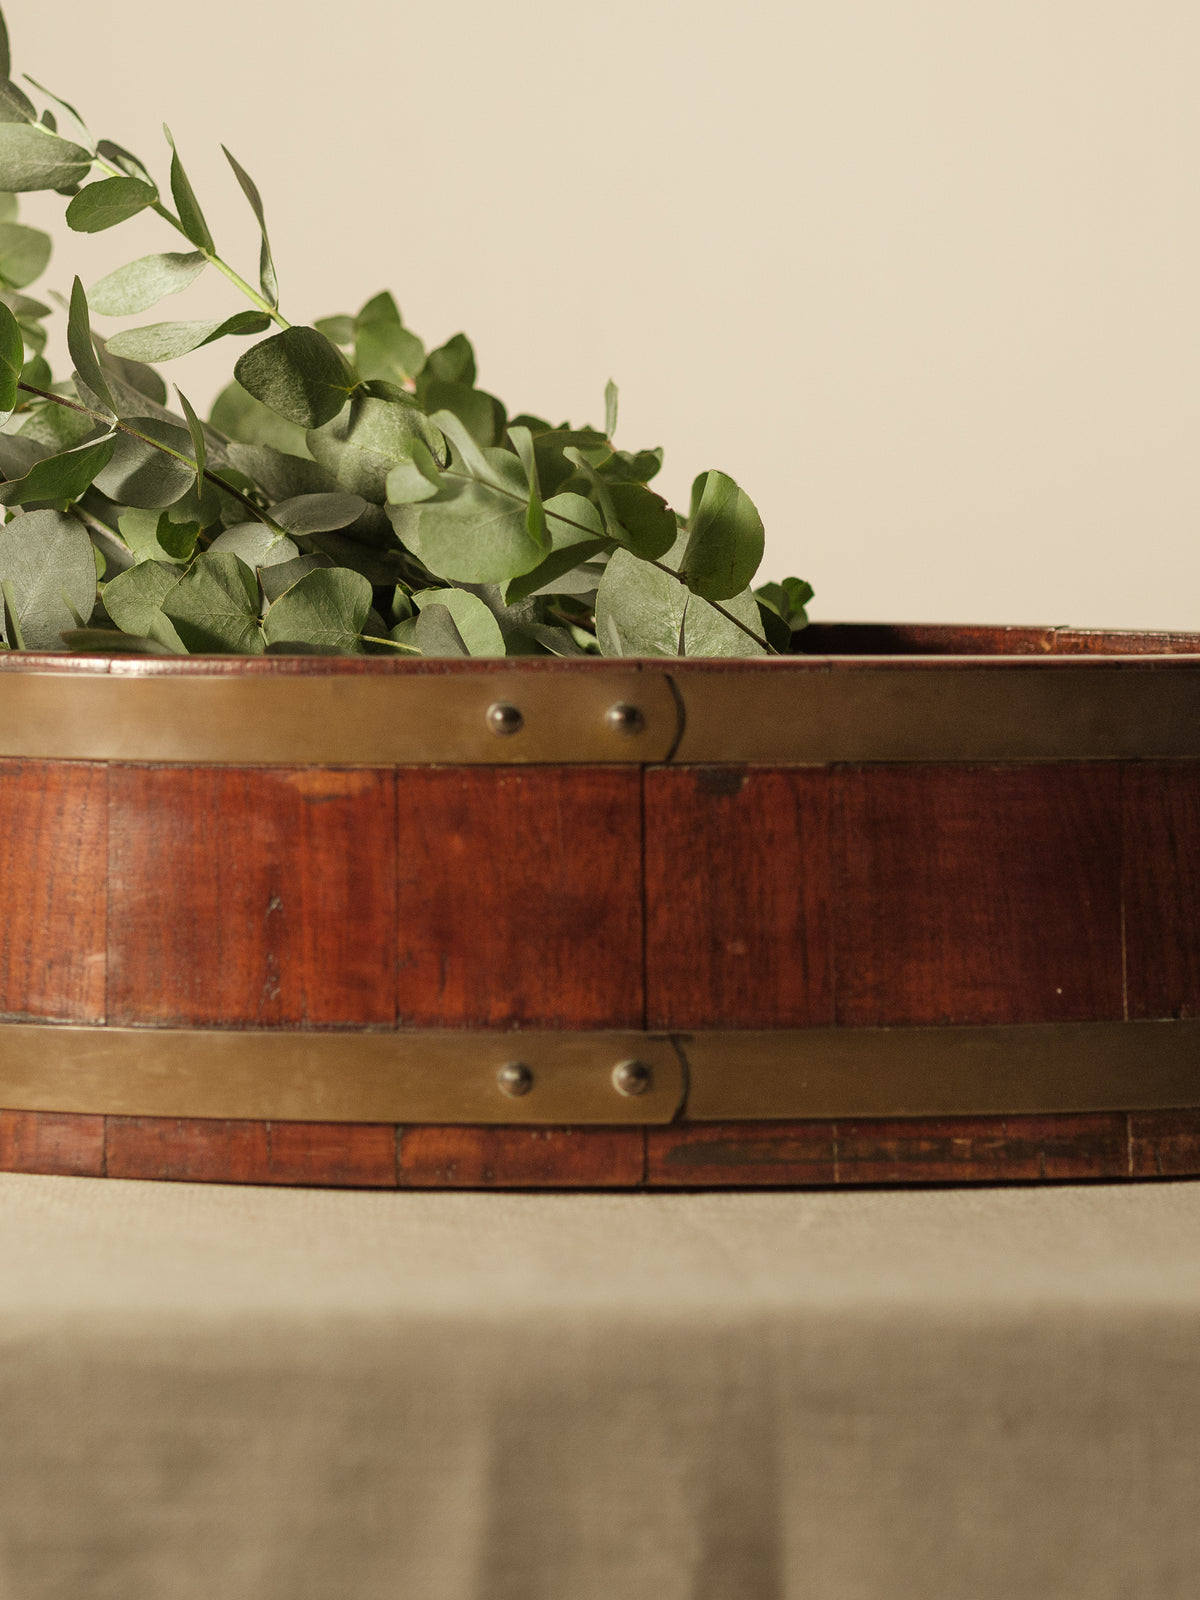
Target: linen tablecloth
(312, 1395)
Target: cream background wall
(923, 275)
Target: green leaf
(383, 346)
(140, 474)
(83, 351)
(133, 600)
(279, 475)
(166, 341)
(452, 362)
(480, 536)
(32, 158)
(108, 641)
(48, 559)
(24, 254)
(648, 525)
(473, 621)
(367, 440)
(214, 607)
(338, 330)
(5, 51)
(190, 215)
(10, 625)
(15, 104)
(327, 608)
(80, 131)
(240, 416)
(610, 408)
(481, 414)
(62, 477)
(640, 612)
(143, 283)
(129, 164)
(130, 375)
(177, 538)
(637, 466)
(196, 431)
(725, 543)
(550, 576)
(277, 580)
(12, 359)
(105, 204)
(318, 513)
(436, 633)
(266, 265)
(299, 374)
(418, 479)
(256, 544)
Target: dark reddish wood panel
(520, 1158)
(520, 897)
(977, 894)
(737, 898)
(52, 869)
(260, 897)
(1164, 1144)
(203, 1150)
(984, 1149)
(1162, 888)
(741, 1154)
(53, 1142)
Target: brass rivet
(515, 1079)
(631, 1077)
(504, 719)
(624, 718)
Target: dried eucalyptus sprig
(351, 491)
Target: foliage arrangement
(350, 492)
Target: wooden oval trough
(919, 905)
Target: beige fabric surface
(304, 1395)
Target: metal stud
(504, 719)
(624, 718)
(631, 1077)
(515, 1079)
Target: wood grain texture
(1161, 816)
(60, 1144)
(977, 894)
(984, 1149)
(521, 1158)
(260, 897)
(1164, 1144)
(198, 1150)
(737, 898)
(520, 897)
(742, 1155)
(53, 829)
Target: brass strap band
(600, 1078)
(806, 711)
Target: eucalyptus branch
(235, 277)
(569, 522)
(115, 423)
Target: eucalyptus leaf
(24, 255)
(640, 612)
(83, 351)
(47, 559)
(52, 429)
(299, 374)
(281, 476)
(240, 416)
(366, 441)
(278, 579)
(256, 544)
(117, 156)
(15, 104)
(214, 607)
(383, 346)
(196, 433)
(481, 414)
(326, 608)
(110, 641)
(436, 633)
(32, 158)
(476, 626)
(318, 513)
(725, 541)
(266, 264)
(140, 474)
(452, 362)
(105, 204)
(338, 330)
(610, 408)
(479, 536)
(549, 574)
(413, 480)
(61, 477)
(12, 360)
(134, 600)
(167, 341)
(79, 132)
(144, 282)
(190, 215)
(5, 50)
(135, 375)
(647, 523)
